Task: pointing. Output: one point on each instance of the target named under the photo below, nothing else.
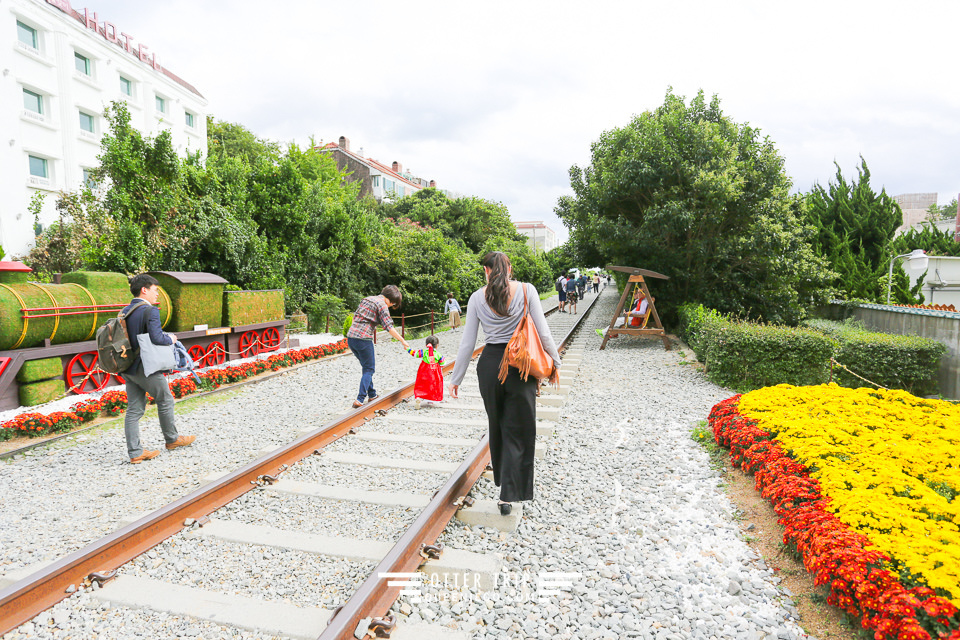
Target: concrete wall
(942, 326)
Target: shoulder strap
(123, 315)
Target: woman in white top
(511, 406)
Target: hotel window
(126, 86)
(38, 167)
(161, 104)
(33, 102)
(28, 35)
(388, 185)
(188, 118)
(86, 122)
(82, 63)
(376, 181)
(88, 180)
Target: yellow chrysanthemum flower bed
(888, 461)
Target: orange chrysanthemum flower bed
(859, 575)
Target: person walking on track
(143, 317)
(511, 406)
(373, 310)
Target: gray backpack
(115, 353)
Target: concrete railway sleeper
(282, 472)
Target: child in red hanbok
(429, 384)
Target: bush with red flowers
(114, 402)
(63, 421)
(88, 410)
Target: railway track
(236, 508)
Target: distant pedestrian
(511, 405)
(562, 292)
(581, 285)
(572, 295)
(145, 318)
(596, 283)
(373, 310)
(452, 308)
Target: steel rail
(375, 596)
(27, 598)
(39, 591)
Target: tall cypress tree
(855, 228)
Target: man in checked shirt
(373, 310)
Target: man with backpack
(143, 317)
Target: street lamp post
(917, 259)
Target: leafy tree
(686, 191)
(474, 221)
(423, 263)
(229, 140)
(944, 212)
(855, 226)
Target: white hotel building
(60, 67)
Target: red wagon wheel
(78, 368)
(196, 353)
(249, 344)
(216, 354)
(270, 339)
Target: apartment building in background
(377, 179)
(540, 237)
(61, 66)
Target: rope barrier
(215, 348)
(848, 370)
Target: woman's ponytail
(498, 286)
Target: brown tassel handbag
(525, 351)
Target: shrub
(347, 323)
(114, 402)
(321, 306)
(890, 360)
(63, 421)
(744, 355)
(87, 410)
(697, 324)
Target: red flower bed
(114, 402)
(859, 576)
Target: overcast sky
(498, 99)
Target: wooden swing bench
(634, 292)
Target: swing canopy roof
(636, 271)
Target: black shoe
(505, 508)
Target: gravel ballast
(626, 504)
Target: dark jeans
(364, 350)
(512, 423)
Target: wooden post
(403, 328)
(374, 334)
(328, 323)
(431, 323)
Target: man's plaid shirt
(371, 312)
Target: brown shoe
(146, 455)
(182, 441)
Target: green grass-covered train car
(48, 330)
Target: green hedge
(36, 393)
(746, 356)
(193, 304)
(891, 360)
(43, 369)
(241, 308)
